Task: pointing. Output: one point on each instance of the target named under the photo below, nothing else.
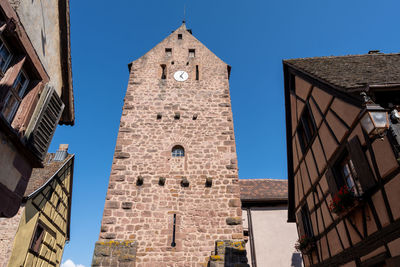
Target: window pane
(20, 84)
(4, 56)
(10, 107)
(178, 151)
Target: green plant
(304, 244)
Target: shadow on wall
(297, 261)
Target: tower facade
(173, 197)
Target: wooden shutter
(47, 122)
(300, 224)
(333, 188)
(357, 156)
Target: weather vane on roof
(184, 13)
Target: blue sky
(252, 36)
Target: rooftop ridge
(269, 179)
(349, 56)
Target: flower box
(305, 245)
(343, 201)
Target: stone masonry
(148, 187)
(8, 229)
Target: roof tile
(263, 189)
(353, 71)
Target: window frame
(306, 128)
(37, 240)
(342, 179)
(178, 151)
(306, 221)
(8, 61)
(17, 95)
(192, 53)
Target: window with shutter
(351, 170)
(46, 123)
(361, 165)
(304, 222)
(37, 238)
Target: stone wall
(229, 253)
(157, 115)
(114, 253)
(8, 229)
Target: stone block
(122, 155)
(126, 205)
(234, 220)
(235, 202)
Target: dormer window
(178, 151)
(192, 53)
(14, 96)
(168, 52)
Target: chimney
(61, 153)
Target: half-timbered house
(37, 234)
(343, 167)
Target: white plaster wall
(274, 238)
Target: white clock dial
(181, 76)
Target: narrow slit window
(168, 52)
(192, 53)
(197, 72)
(179, 36)
(163, 71)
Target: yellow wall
(42, 208)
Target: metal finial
(366, 98)
(184, 13)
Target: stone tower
(173, 198)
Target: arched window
(178, 151)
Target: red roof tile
(263, 189)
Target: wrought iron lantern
(374, 118)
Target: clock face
(181, 76)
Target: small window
(192, 53)
(178, 151)
(14, 96)
(159, 116)
(179, 36)
(306, 129)
(163, 71)
(307, 226)
(37, 238)
(5, 57)
(168, 52)
(346, 175)
(197, 72)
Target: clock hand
(181, 75)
